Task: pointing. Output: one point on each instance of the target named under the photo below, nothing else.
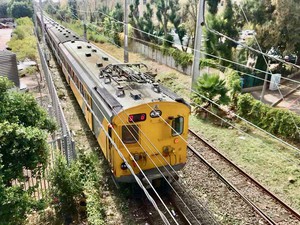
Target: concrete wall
(159, 57)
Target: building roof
(8, 66)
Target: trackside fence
(64, 142)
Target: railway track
(188, 213)
(266, 204)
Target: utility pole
(85, 19)
(198, 39)
(262, 95)
(126, 58)
(42, 21)
(35, 9)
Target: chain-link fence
(65, 141)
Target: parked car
(274, 54)
(290, 58)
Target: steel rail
(256, 208)
(288, 208)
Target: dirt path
(5, 35)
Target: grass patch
(76, 26)
(92, 33)
(272, 163)
(174, 83)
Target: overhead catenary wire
(264, 55)
(226, 60)
(277, 85)
(242, 131)
(129, 167)
(173, 188)
(205, 53)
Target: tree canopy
(3, 9)
(20, 9)
(23, 134)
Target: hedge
(277, 121)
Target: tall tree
(258, 12)
(73, 8)
(21, 9)
(278, 19)
(176, 18)
(224, 23)
(162, 14)
(146, 23)
(190, 20)
(134, 18)
(112, 27)
(3, 9)
(213, 6)
(287, 19)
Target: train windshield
(177, 125)
(130, 134)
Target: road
(5, 35)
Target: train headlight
(176, 140)
(124, 166)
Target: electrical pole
(198, 39)
(42, 21)
(35, 9)
(85, 19)
(126, 58)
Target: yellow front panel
(155, 136)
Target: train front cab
(148, 133)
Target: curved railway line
(266, 204)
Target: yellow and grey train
(138, 114)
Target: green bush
(233, 83)
(66, 187)
(276, 121)
(71, 183)
(23, 42)
(208, 63)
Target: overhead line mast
(198, 39)
(126, 58)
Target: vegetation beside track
(23, 41)
(274, 164)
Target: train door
(88, 113)
(109, 148)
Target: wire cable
(170, 184)
(128, 165)
(229, 60)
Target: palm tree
(208, 89)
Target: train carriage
(139, 115)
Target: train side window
(177, 125)
(130, 134)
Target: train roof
(105, 71)
(117, 90)
(61, 33)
